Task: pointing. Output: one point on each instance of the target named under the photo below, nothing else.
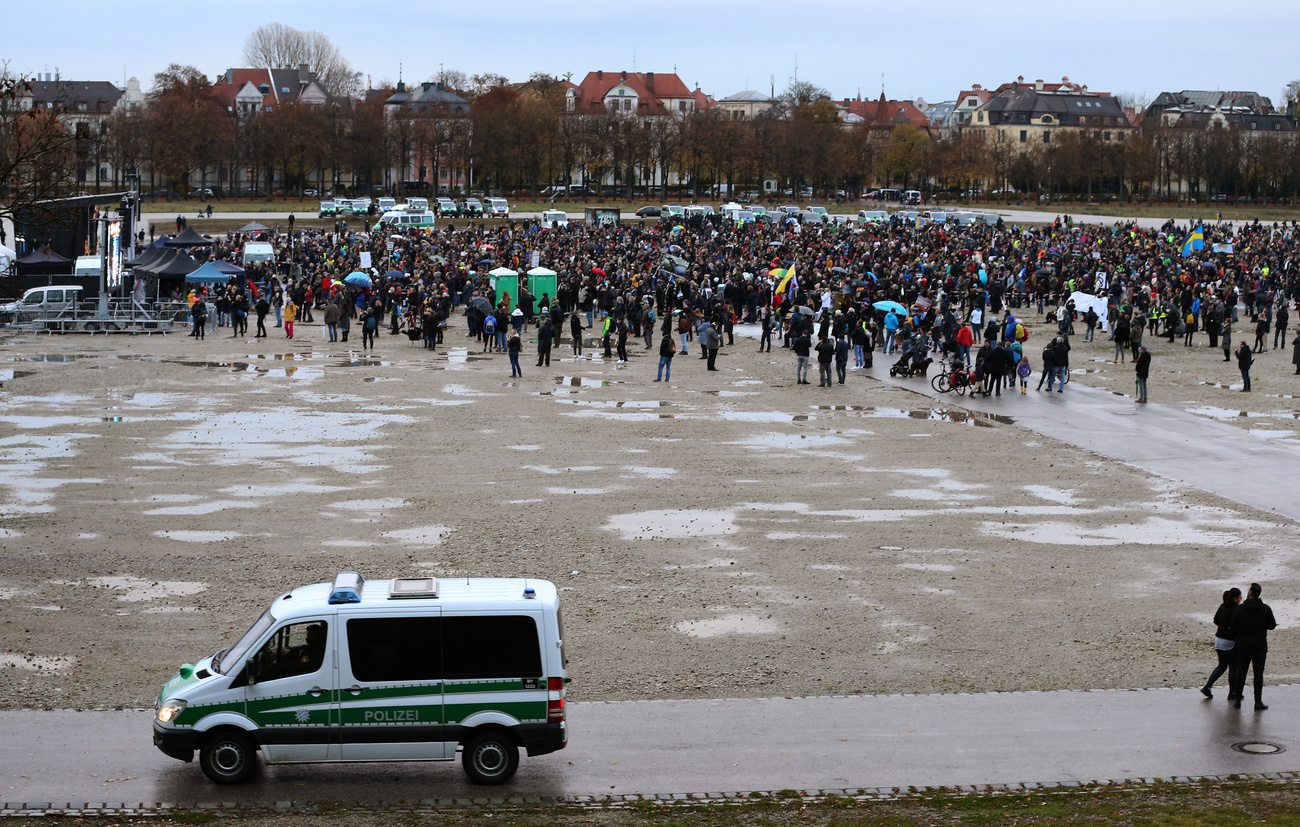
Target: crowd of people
(914, 292)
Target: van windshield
(234, 655)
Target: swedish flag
(1195, 242)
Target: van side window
(54, 295)
(492, 646)
(295, 649)
(384, 649)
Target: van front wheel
(490, 758)
(227, 757)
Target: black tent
(189, 238)
(149, 256)
(171, 264)
(44, 256)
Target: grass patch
(1205, 804)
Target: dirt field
(716, 536)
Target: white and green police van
(380, 670)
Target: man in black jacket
(1251, 623)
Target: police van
(379, 670)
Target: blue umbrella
(894, 306)
(394, 274)
(357, 279)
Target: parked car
(821, 210)
(673, 210)
(446, 208)
(311, 193)
(649, 212)
(496, 208)
(201, 192)
(912, 197)
(873, 217)
(328, 208)
(472, 208)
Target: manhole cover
(1259, 748)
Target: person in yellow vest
(290, 313)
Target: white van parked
(380, 670)
(554, 218)
(496, 208)
(256, 252)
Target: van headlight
(168, 711)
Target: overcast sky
(930, 49)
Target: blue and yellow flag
(789, 280)
(1195, 242)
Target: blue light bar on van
(347, 587)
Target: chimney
(624, 78)
(442, 86)
(401, 86)
(600, 75)
(230, 76)
(650, 81)
(1038, 85)
(976, 87)
(426, 85)
(304, 74)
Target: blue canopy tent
(208, 274)
(228, 268)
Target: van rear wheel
(490, 758)
(227, 757)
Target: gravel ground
(722, 535)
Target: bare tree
(277, 46)
(36, 153)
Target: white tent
(7, 257)
(1082, 301)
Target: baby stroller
(915, 362)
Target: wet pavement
(1213, 456)
(723, 746)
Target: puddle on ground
(557, 490)
(1231, 413)
(281, 490)
(429, 535)
(198, 536)
(36, 663)
(791, 441)
(1153, 531)
(524, 447)
(732, 624)
(194, 509)
(673, 524)
(1055, 495)
(137, 589)
(609, 403)
(621, 416)
(347, 543)
(370, 505)
(651, 473)
(928, 414)
(764, 416)
(584, 382)
(6, 375)
(9, 533)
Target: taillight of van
(554, 700)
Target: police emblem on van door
(303, 716)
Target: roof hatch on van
(412, 588)
(347, 588)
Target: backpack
(489, 324)
(371, 322)
(1021, 333)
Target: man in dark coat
(545, 339)
(1142, 368)
(1252, 623)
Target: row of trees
(521, 138)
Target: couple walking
(1241, 642)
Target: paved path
(723, 746)
(1200, 452)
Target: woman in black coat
(1224, 641)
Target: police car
(380, 670)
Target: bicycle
(956, 378)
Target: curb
(600, 802)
